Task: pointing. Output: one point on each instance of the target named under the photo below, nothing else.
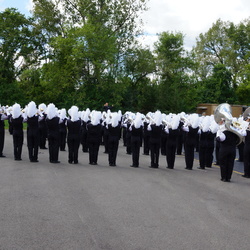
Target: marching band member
(113, 141)
(146, 136)
(3, 116)
(206, 144)
(94, 129)
(62, 129)
(164, 135)
(33, 131)
(227, 153)
(155, 128)
(17, 120)
(213, 128)
(52, 121)
(136, 139)
(105, 117)
(74, 134)
(85, 120)
(246, 156)
(191, 128)
(42, 127)
(172, 130)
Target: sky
(191, 17)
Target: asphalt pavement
(81, 206)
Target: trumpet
(151, 120)
(166, 123)
(185, 120)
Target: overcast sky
(191, 17)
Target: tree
(16, 52)
(224, 43)
(174, 71)
(87, 42)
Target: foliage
(85, 52)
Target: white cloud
(190, 17)
(29, 5)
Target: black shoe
(189, 168)
(70, 162)
(18, 159)
(153, 167)
(2, 156)
(34, 161)
(246, 176)
(222, 179)
(170, 167)
(55, 162)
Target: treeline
(86, 53)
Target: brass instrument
(151, 120)
(166, 123)
(246, 113)
(224, 112)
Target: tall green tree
(17, 48)
(174, 72)
(87, 42)
(227, 44)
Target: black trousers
(170, 155)
(105, 141)
(33, 144)
(112, 149)
(84, 141)
(154, 153)
(73, 147)
(63, 135)
(2, 134)
(135, 149)
(18, 144)
(179, 143)
(247, 160)
(189, 155)
(146, 144)
(93, 151)
(43, 137)
(54, 147)
(226, 157)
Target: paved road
(62, 206)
